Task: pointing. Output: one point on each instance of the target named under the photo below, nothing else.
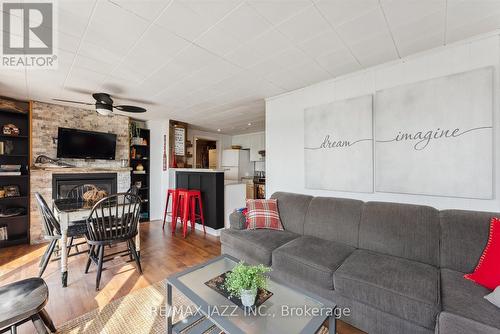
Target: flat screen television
(81, 144)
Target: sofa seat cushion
(449, 323)
(311, 259)
(465, 298)
(401, 287)
(258, 244)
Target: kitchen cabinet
(257, 143)
(241, 140)
(254, 141)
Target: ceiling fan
(104, 105)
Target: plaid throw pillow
(263, 213)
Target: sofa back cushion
(292, 209)
(404, 230)
(464, 235)
(335, 219)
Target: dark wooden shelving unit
(18, 227)
(144, 178)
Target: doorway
(206, 153)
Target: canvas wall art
(338, 145)
(435, 137)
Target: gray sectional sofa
(398, 267)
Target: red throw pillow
(487, 272)
(263, 213)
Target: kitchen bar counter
(211, 184)
(198, 170)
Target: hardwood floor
(161, 255)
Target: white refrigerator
(236, 164)
(212, 159)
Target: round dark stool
(23, 301)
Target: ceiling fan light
(103, 109)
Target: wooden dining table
(70, 210)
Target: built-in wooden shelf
(5, 199)
(12, 137)
(18, 227)
(144, 178)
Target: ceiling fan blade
(133, 109)
(78, 102)
(103, 98)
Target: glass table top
(285, 312)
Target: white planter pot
(248, 297)
(136, 141)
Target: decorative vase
(139, 167)
(248, 297)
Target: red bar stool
(175, 208)
(188, 200)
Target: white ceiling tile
(283, 79)
(427, 42)
(267, 66)
(99, 53)
(183, 20)
(212, 10)
(148, 9)
(155, 48)
(431, 24)
(321, 44)
(403, 13)
(309, 72)
(219, 41)
(73, 16)
(244, 23)
(246, 56)
(270, 43)
(467, 18)
(470, 29)
(362, 27)
(67, 42)
(259, 49)
(84, 79)
(463, 12)
(125, 73)
(165, 76)
(339, 62)
(375, 50)
(114, 29)
(341, 11)
(194, 58)
(290, 57)
(98, 65)
(279, 11)
(305, 25)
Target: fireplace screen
(63, 183)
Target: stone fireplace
(63, 183)
(46, 180)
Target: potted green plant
(244, 281)
(135, 133)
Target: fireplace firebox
(63, 183)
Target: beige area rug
(141, 311)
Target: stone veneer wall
(46, 119)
